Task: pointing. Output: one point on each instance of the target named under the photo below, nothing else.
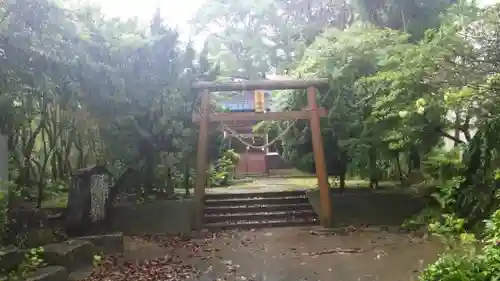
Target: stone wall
(251, 163)
(165, 216)
(370, 207)
(276, 162)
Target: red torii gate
(313, 113)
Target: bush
(441, 165)
(468, 258)
(222, 173)
(32, 261)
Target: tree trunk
(344, 161)
(186, 179)
(374, 173)
(342, 177)
(413, 160)
(169, 189)
(398, 167)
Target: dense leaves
(270, 36)
(265, 36)
(78, 89)
(348, 131)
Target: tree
(249, 39)
(78, 89)
(335, 55)
(412, 16)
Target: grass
(277, 180)
(59, 200)
(295, 179)
(310, 182)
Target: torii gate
(313, 113)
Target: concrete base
(10, 258)
(370, 207)
(71, 260)
(107, 243)
(71, 254)
(51, 273)
(165, 216)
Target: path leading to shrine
(277, 254)
(285, 180)
(273, 254)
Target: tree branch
(446, 135)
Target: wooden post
(319, 159)
(201, 164)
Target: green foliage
(442, 165)
(414, 17)
(349, 129)
(97, 260)
(222, 172)
(466, 260)
(78, 89)
(448, 227)
(270, 36)
(265, 36)
(32, 261)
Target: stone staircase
(258, 210)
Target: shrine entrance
(312, 113)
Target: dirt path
(274, 255)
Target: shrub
(32, 261)
(467, 258)
(222, 173)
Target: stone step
(50, 273)
(275, 194)
(260, 216)
(107, 243)
(71, 254)
(257, 208)
(261, 224)
(81, 273)
(10, 257)
(256, 201)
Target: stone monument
(88, 199)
